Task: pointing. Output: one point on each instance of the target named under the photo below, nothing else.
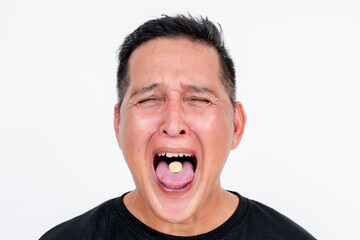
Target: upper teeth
(170, 155)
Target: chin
(176, 208)
(176, 214)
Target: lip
(184, 189)
(187, 187)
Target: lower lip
(181, 190)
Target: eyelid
(198, 102)
(199, 99)
(149, 99)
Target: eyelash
(151, 98)
(147, 99)
(192, 100)
(199, 99)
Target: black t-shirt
(111, 221)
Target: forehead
(170, 61)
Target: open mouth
(183, 174)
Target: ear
(116, 123)
(239, 124)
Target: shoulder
(268, 223)
(86, 226)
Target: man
(176, 122)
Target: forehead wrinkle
(145, 89)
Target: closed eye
(198, 102)
(146, 100)
(149, 102)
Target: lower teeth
(173, 187)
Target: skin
(176, 102)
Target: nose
(174, 122)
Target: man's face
(176, 103)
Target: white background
(298, 77)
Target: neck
(215, 211)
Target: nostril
(181, 132)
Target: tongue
(175, 179)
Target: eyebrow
(200, 89)
(187, 86)
(145, 89)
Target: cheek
(215, 135)
(136, 130)
(213, 128)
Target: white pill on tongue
(175, 167)
(183, 177)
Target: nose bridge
(174, 123)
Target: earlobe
(239, 124)
(116, 123)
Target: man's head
(201, 30)
(175, 106)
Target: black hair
(195, 29)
